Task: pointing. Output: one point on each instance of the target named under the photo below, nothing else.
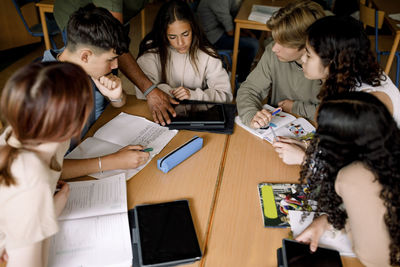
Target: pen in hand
(274, 112)
(146, 149)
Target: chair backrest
(18, 5)
(367, 16)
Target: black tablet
(296, 254)
(166, 234)
(199, 114)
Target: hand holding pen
(263, 117)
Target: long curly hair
(355, 126)
(345, 49)
(156, 40)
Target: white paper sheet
(337, 240)
(96, 241)
(123, 130)
(96, 197)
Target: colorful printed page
(284, 124)
(277, 200)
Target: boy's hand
(160, 106)
(286, 105)
(110, 86)
(261, 119)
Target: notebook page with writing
(95, 241)
(123, 130)
(96, 197)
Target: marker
(276, 111)
(146, 149)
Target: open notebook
(94, 227)
(123, 130)
(284, 124)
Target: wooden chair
(374, 18)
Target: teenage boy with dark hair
(158, 102)
(95, 41)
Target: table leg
(234, 56)
(143, 17)
(392, 52)
(44, 28)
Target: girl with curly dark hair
(353, 169)
(338, 52)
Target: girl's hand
(291, 153)
(110, 86)
(181, 93)
(3, 256)
(61, 197)
(314, 231)
(261, 119)
(128, 157)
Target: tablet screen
(199, 113)
(296, 254)
(167, 233)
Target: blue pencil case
(169, 161)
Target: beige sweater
(365, 209)
(209, 83)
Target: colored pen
(276, 111)
(146, 149)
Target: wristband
(148, 90)
(119, 100)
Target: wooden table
(243, 23)
(237, 235)
(196, 179)
(390, 7)
(47, 6)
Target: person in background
(278, 76)
(352, 167)
(95, 41)
(44, 106)
(338, 53)
(177, 56)
(123, 10)
(217, 17)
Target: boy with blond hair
(279, 74)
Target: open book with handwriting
(123, 130)
(284, 124)
(94, 227)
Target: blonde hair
(43, 102)
(289, 24)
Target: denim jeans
(248, 48)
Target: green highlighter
(147, 149)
